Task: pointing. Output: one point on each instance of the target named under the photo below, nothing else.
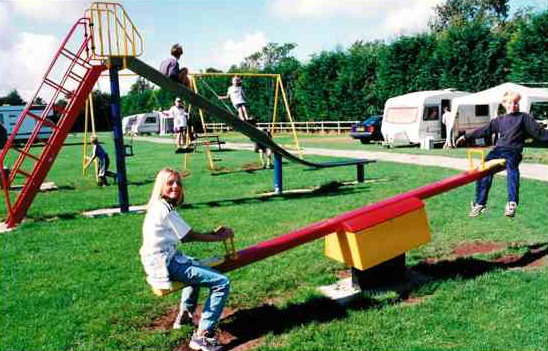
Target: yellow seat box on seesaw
(380, 234)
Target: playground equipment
(104, 39)
(372, 240)
(376, 235)
(278, 90)
(103, 32)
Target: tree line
(470, 45)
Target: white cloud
(320, 9)
(233, 52)
(50, 10)
(25, 56)
(412, 18)
(6, 28)
(396, 16)
(25, 63)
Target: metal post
(278, 186)
(360, 171)
(388, 273)
(118, 139)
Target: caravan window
(431, 113)
(401, 115)
(150, 120)
(482, 110)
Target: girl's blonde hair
(161, 180)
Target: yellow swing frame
(279, 90)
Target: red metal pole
(320, 229)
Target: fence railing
(324, 127)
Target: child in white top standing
(237, 97)
(180, 123)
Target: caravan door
(431, 122)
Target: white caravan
(144, 123)
(415, 117)
(476, 110)
(9, 115)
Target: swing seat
(174, 287)
(184, 150)
(210, 262)
(128, 150)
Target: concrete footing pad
(109, 212)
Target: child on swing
(237, 97)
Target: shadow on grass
(254, 323)
(249, 325)
(470, 267)
(331, 188)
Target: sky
(213, 33)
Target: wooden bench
(207, 139)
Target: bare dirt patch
(468, 249)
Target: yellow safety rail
(471, 153)
(113, 32)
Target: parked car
(368, 130)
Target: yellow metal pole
(286, 104)
(209, 157)
(108, 32)
(220, 74)
(195, 87)
(275, 110)
(92, 118)
(186, 161)
(85, 138)
(100, 26)
(481, 154)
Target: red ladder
(72, 74)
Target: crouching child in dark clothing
(102, 159)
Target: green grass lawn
(72, 283)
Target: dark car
(368, 130)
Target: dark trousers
(513, 158)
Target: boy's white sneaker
(510, 210)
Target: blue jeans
(195, 276)
(513, 158)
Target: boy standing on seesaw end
(511, 130)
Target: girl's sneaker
(206, 342)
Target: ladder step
(45, 121)
(26, 154)
(57, 86)
(76, 59)
(20, 171)
(75, 77)
(59, 109)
